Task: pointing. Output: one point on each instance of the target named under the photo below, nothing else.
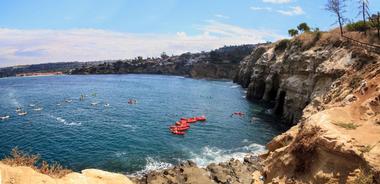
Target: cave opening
(260, 90)
(275, 85)
(279, 110)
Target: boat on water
(18, 109)
(94, 103)
(68, 101)
(4, 117)
(191, 120)
(177, 132)
(201, 118)
(38, 109)
(22, 113)
(32, 105)
(106, 105)
(179, 128)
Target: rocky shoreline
(232, 171)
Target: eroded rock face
(291, 78)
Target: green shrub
(293, 32)
(281, 45)
(348, 126)
(357, 26)
(303, 27)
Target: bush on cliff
(19, 158)
(357, 26)
(282, 45)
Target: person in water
(132, 101)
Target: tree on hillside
(337, 7)
(363, 11)
(293, 32)
(375, 20)
(303, 27)
(164, 55)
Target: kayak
(201, 118)
(239, 113)
(179, 128)
(178, 132)
(191, 120)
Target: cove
(130, 138)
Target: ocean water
(130, 138)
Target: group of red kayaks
(183, 124)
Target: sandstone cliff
(330, 87)
(27, 175)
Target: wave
(234, 86)
(13, 99)
(210, 155)
(131, 127)
(61, 120)
(153, 165)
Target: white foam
(210, 155)
(13, 99)
(234, 86)
(269, 111)
(132, 127)
(153, 165)
(61, 120)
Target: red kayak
(191, 120)
(179, 128)
(201, 118)
(239, 113)
(178, 132)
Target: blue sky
(35, 31)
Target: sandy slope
(26, 175)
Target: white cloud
(256, 8)
(39, 46)
(221, 16)
(295, 10)
(277, 1)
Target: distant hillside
(64, 67)
(219, 63)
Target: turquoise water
(129, 138)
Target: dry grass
(366, 148)
(364, 178)
(348, 126)
(19, 158)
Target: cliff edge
(329, 88)
(26, 175)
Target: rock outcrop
(232, 171)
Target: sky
(40, 31)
